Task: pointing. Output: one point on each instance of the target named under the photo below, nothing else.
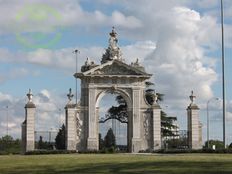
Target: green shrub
(169, 151)
(45, 152)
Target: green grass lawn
(117, 163)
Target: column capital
(193, 107)
(30, 105)
(155, 106)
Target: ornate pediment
(115, 68)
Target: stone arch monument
(113, 75)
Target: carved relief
(146, 125)
(79, 126)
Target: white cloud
(139, 50)
(65, 59)
(49, 112)
(24, 16)
(177, 61)
(5, 97)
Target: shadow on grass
(169, 167)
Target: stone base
(30, 146)
(157, 145)
(92, 144)
(196, 145)
(136, 145)
(71, 145)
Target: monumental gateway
(113, 75)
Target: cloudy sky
(179, 41)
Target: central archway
(116, 121)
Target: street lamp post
(208, 119)
(60, 119)
(76, 52)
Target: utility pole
(223, 79)
(207, 108)
(76, 52)
(7, 120)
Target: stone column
(28, 126)
(129, 130)
(156, 125)
(194, 136)
(136, 129)
(92, 142)
(70, 120)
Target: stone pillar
(156, 125)
(136, 127)
(70, 120)
(28, 126)
(92, 142)
(194, 136)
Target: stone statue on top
(113, 51)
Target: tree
(120, 112)
(6, 142)
(117, 112)
(101, 142)
(60, 138)
(9, 145)
(44, 144)
(167, 125)
(109, 140)
(40, 143)
(150, 94)
(218, 144)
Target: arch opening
(112, 113)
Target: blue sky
(176, 40)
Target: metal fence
(45, 139)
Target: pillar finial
(29, 96)
(155, 97)
(70, 95)
(192, 97)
